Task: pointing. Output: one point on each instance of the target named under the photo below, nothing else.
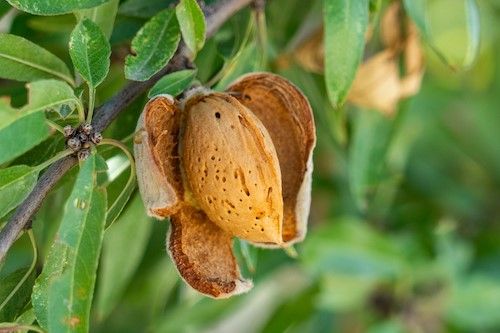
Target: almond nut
(232, 169)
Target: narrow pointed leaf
(53, 7)
(103, 15)
(469, 23)
(173, 84)
(244, 61)
(192, 24)
(345, 23)
(90, 50)
(4, 8)
(28, 316)
(417, 9)
(120, 202)
(116, 270)
(62, 295)
(473, 32)
(15, 184)
(23, 60)
(13, 123)
(14, 307)
(153, 45)
(367, 154)
(144, 9)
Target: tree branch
(216, 15)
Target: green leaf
(50, 95)
(247, 254)
(44, 95)
(367, 154)
(473, 303)
(243, 62)
(15, 184)
(345, 22)
(16, 304)
(63, 24)
(375, 6)
(473, 32)
(4, 8)
(90, 50)
(103, 15)
(120, 202)
(154, 45)
(417, 9)
(464, 24)
(116, 270)
(102, 172)
(173, 83)
(119, 191)
(23, 60)
(351, 259)
(28, 316)
(54, 7)
(144, 8)
(192, 24)
(62, 295)
(13, 123)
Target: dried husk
(391, 27)
(377, 84)
(310, 54)
(414, 63)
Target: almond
(224, 165)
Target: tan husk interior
(203, 255)
(287, 116)
(156, 171)
(163, 124)
(231, 168)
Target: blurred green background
(404, 231)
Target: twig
(216, 15)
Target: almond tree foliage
(405, 218)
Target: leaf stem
(90, 111)
(291, 252)
(81, 111)
(260, 20)
(27, 274)
(131, 179)
(230, 64)
(247, 257)
(56, 157)
(54, 126)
